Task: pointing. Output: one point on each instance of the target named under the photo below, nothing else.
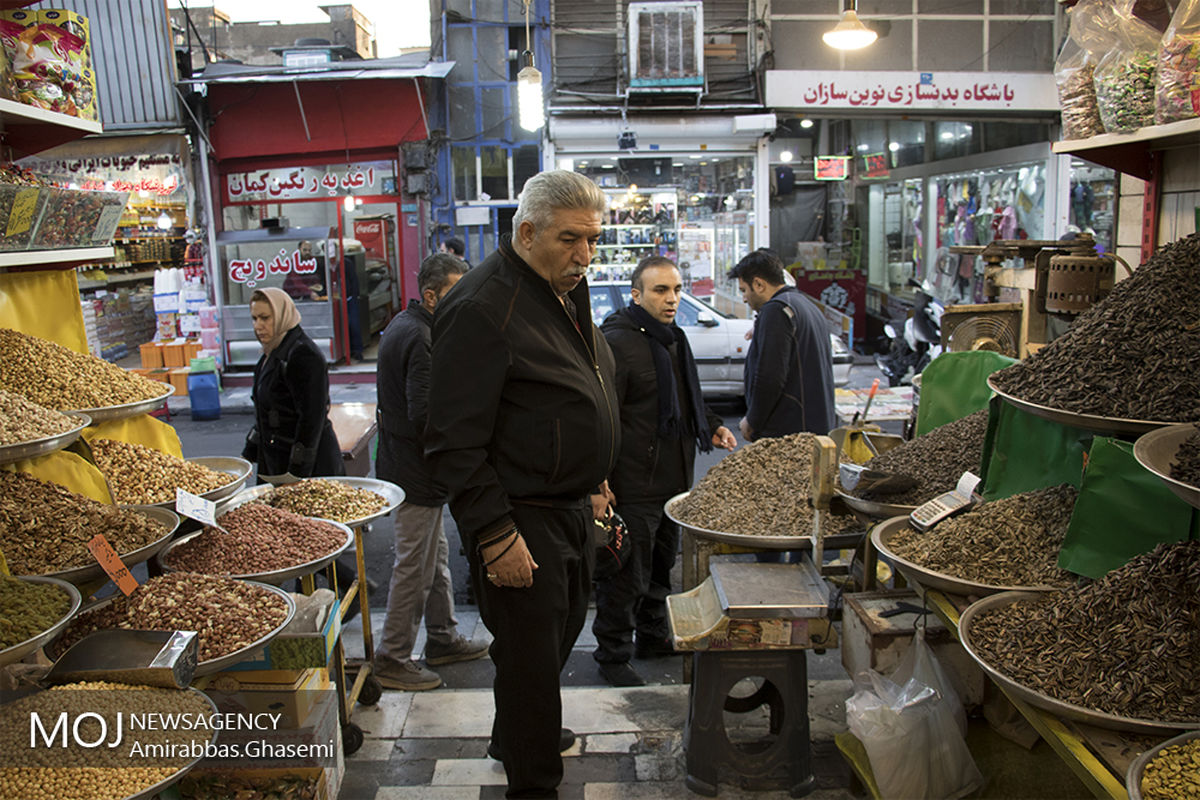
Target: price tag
(107, 224)
(111, 562)
(196, 507)
(20, 218)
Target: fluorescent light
(785, 156)
(864, 148)
(568, 164)
(806, 123)
(947, 135)
(849, 33)
(529, 99)
(893, 146)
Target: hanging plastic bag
(1178, 77)
(1074, 72)
(1125, 76)
(912, 727)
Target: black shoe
(566, 738)
(621, 674)
(653, 648)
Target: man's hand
(515, 568)
(602, 501)
(744, 427)
(723, 437)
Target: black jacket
(521, 401)
(291, 400)
(649, 467)
(403, 394)
(789, 369)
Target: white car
(718, 340)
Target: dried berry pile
(1124, 645)
(259, 539)
(140, 475)
(1009, 542)
(227, 614)
(45, 528)
(326, 499)
(23, 421)
(53, 376)
(936, 460)
(1133, 354)
(27, 609)
(1186, 467)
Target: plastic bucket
(204, 391)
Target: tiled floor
(432, 745)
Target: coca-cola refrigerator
(381, 286)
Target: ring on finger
(491, 576)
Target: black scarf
(669, 417)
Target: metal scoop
(151, 658)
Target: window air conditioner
(666, 46)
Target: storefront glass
(1093, 203)
(903, 225)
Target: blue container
(204, 390)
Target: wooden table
(354, 425)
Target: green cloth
(1023, 452)
(955, 385)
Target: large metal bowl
(170, 519)
(276, 577)
(1133, 776)
(1045, 702)
(390, 492)
(106, 413)
(1089, 422)
(47, 444)
(152, 791)
(1156, 452)
(799, 541)
(872, 508)
(237, 468)
(884, 532)
(18, 651)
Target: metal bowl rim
(253, 493)
(212, 494)
(1074, 419)
(47, 444)
(132, 558)
(123, 410)
(874, 508)
(1173, 434)
(1137, 767)
(765, 540)
(21, 649)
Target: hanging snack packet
(1125, 76)
(1178, 78)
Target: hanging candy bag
(1178, 78)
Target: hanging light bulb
(530, 112)
(348, 203)
(850, 33)
(785, 156)
(164, 221)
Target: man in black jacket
(663, 420)
(523, 427)
(789, 366)
(420, 585)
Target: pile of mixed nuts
(23, 421)
(327, 499)
(140, 475)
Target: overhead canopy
(403, 67)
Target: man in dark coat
(522, 429)
(663, 420)
(789, 366)
(420, 585)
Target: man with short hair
(454, 246)
(789, 366)
(420, 585)
(523, 428)
(663, 421)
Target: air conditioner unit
(666, 47)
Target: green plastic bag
(1123, 510)
(955, 385)
(1023, 452)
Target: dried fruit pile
(326, 499)
(259, 539)
(23, 421)
(27, 609)
(140, 475)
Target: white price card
(196, 507)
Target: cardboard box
(296, 651)
(294, 700)
(152, 355)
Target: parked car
(718, 340)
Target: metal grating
(665, 45)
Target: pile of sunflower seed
(1009, 542)
(936, 460)
(1187, 460)
(1125, 645)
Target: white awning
(377, 69)
(685, 132)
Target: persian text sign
(298, 183)
(966, 91)
(252, 270)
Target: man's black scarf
(670, 423)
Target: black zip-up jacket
(649, 468)
(402, 388)
(521, 400)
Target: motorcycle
(915, 341)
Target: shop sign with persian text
(303, 183)
(965, 91)
(252, 271)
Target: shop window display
(903, 220)
(1092, 203)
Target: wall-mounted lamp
(850, 33)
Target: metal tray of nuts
(18, 651)
(107, 413)
(800, 541)
(277, 577)
(1089, 422)
(237, 467)
(1137, 768)
(89, 572)
(1045, 702)
(874, 509)
(1156, 451)
(882, 534)
(47, 444)
(390, 492)
(152, 791)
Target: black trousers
(635, 599)
(535, 629)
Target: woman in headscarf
(292, 437)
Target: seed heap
(27, 609)
(1187, 460)
(1133, 354)
(23, 421)
(259, 539)
(95, 773)
(936, 460)
(53, 376)
(45, 528)
(1173, 774)
(140, 475)
(227, 614)
(326, 499)
(1124, 645)
(1009, 542)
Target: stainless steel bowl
(875, 509)
(237, 468)
(1156, 452)
(89, 572)
(1133, 776)
(390, 492)
(47, 444)
(106, 413)
(18, 651)
(1089, 422)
